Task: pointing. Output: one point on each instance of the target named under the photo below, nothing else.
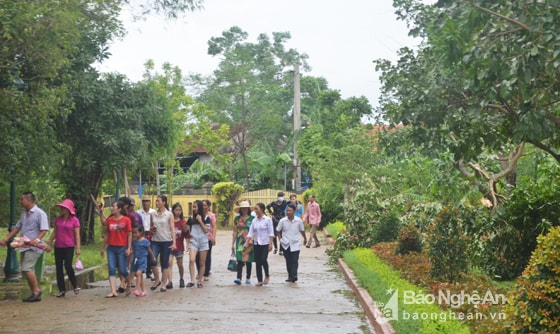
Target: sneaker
(169, 285)
(237, 281)
(281, 252)
(247, 281)
(181, 283)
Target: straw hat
(67, 204)
(243, 204)
(146, 198)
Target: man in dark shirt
(276, 210)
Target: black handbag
(232, 264)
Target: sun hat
(243, 204)
(146, 198)
(67, 204)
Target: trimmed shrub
(448, 246)
(226, 194)
(536, 301)
(386, 228)
(409, 240)
(514, 229)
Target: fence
(258, 196)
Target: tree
(251, 91)
(41, 43)
(484, 79)
(116, 125)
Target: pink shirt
(64, 233)
(313, 213)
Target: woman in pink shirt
(66, 236)
(313, 216)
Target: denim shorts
(199, 243)
(162, 247)
(116, 257)
(177, 253)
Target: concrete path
(320, 302)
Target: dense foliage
(226, 194)
(448, 246)
(537, 296)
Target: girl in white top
(199, 226)
(163, 240)
(261, 234)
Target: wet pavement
(320, 302)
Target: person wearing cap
(34, 225)
(135, 217)
(244, 255)
(276, 210)
(136, 220)
(66, 237)
(145, 213)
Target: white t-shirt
(291, 233)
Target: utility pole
(297, 128)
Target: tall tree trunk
(84, 186)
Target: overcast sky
(342, 38)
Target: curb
(367, 303)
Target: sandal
(190, 285)
(266, 280)
(76, 291)
(259, 284)
(61, 294)
(112, 295)
(199, 285)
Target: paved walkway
(320, 302)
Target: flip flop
(112, 295)
(190, 285)
(199, 285)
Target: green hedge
(381, 281)
(335, 228)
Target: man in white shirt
(146, 213)
(290, 229)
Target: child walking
(141, 248)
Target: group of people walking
(255, 235)
(149, 239)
